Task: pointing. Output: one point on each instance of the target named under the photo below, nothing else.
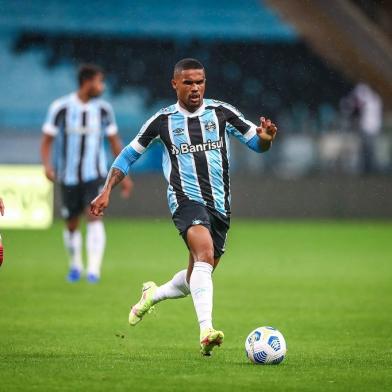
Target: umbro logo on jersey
(178, 131)
(209, 126)
(185, 148)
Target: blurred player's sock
(202, 293)
(96, 240)
(73, 244)
(177, 287)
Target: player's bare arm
(127, 183)
(1, 206)
(101, 202)
(266, 132)
(46, 151)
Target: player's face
(190, 85)
(96, 85)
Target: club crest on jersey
(209, 126)
(185, 148)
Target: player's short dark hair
(187, 63)
(88, 72)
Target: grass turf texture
(325, 285)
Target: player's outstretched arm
(118, 171)
(121, 165)
(267, 133)
(1, 206)
(116, 147)
(98, 205)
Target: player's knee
(206, 254)
(200, 244)
(72, 224)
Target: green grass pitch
(326, 285)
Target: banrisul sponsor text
(185, 148)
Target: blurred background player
(363, 107)
(79, 122)
(194, 133)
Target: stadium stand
(263, 66)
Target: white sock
(202, 293)
(96, 240)
(73, 244)
(177, 287)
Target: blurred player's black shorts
(75, 198)
(191, 213)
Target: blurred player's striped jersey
(196, 151)
(79, 129)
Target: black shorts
(75, 198)
(192, 213)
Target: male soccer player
(194, 133)
(78, 123)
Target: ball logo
(255, 337)
(274, 342)
(278, 360)
(260, 357)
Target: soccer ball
(265, 345)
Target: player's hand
(101, 202)
(1, 207)
(266, 130)
(126, 187)
(49, 173)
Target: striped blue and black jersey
(79, 129)
(196, 151)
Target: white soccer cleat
(145, 305)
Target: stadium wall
(260, 197)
